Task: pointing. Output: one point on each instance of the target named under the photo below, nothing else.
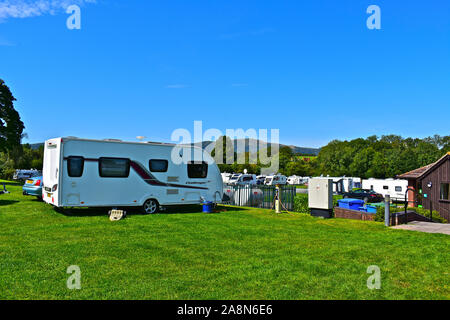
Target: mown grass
(234, 254)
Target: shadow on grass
(7, 202)
(94, 212)
(11, 183)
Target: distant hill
(204, 144)
(297, 150)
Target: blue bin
(363, 209)
(207, 207)
(371, 209)
(352, 204)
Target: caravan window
(75, 166)
(114, 167)
(197, 169)
(398, 189)
(158, 165)
(386, 187)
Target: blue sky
(309, 68)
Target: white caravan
(344, 184)
(243, 179)
(111, 173)
(226, 177)
(276, 179)
(295, 180)
(395, 188)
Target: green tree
(11, 127)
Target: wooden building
(431, 185)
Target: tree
(11, 127)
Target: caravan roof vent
(113, 140)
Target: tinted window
(398, 189)
(248, 179)
(158, 165)
(386, 187)
(114, 167)
(75, 166)
(197, 169)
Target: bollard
(277, 199)
(387, 210)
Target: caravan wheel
(151, 206)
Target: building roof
(418, 173)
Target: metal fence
(258, 196)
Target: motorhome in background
(395, 188)
(260, 180)
(105, 173)
(226, 177)
(243, 179)
(344, 184)
(276, 179)
(297, 180)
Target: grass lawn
(234, 254)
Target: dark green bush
(424, 212)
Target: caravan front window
(158, 165)
(114, 168)
(75, 166)
(197, 170)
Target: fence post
(387, 210)
(277, 199)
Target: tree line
(373, 157)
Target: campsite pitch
(233, 254)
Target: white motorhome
(110, 173)
(344, 184)
(395, 188)
(243, 179)
(295, 180)
(226, 177)
(276, 179)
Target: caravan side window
(197, 169)
(114, 167)
(75, 166)
(157, 165)
(398, 189)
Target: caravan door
(51, 171)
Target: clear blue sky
(310, 68)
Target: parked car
(33, 187)
(364, 194)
